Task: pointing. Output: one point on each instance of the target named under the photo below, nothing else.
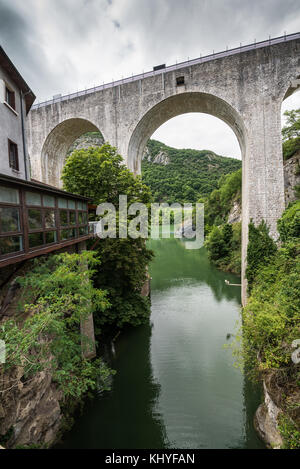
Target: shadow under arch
(57, 144)
(176, 105)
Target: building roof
(11, 70)
(33, 184)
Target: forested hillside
(183, 175)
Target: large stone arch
(57, 144)
(176, 105)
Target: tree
(291, 133)
(215, 244)
(99, 173)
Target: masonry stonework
(244, 89)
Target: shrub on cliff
(57, 295)
(289, 223)
(271, 317)
(260, 249)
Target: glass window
(36, 239)
(79, 205)
(83, 230)
(71, 204)
(10, 219)
(49, 219)
(62, 203)
(11, 244)
(64, 235)
(10, 97)
(51, 237)
(72, 233)
(33, 198)
(63, 216)
(49, 201)
(13, 155)
(9, 195)
(34, 218)
(72, 216)
(80, 218)
(84, 217)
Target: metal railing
(177, 66)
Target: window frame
(9, 92)
(25, 231)
(14, 145)
(19, 232)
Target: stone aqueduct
(244, 87)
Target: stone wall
(291, 169)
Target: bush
(224, 247)
(260, 249)
(58, 295)
(289, 224)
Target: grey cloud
(117, 24)
(65, 45)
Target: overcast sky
(60, 46)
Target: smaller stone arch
(57, 144)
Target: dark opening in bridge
(180, 81)
(159, 67)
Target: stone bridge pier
(243, 87)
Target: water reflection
(176, 386)
(125, 418)
(175, 264)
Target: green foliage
(260, 249)
(99, 173)
(46, 337)
(215, 244)
(218, 204)
(122, 274)
(189, 174)
(224, 247)
(291, 134)
(289, 432)
(289, 224)
(272, 315)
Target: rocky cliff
(90, 139)
(291, 184)
(30, 412)
(292, 178)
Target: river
(176, 385)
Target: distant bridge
(244, 87)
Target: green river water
(176, 386)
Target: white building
(16, 99)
